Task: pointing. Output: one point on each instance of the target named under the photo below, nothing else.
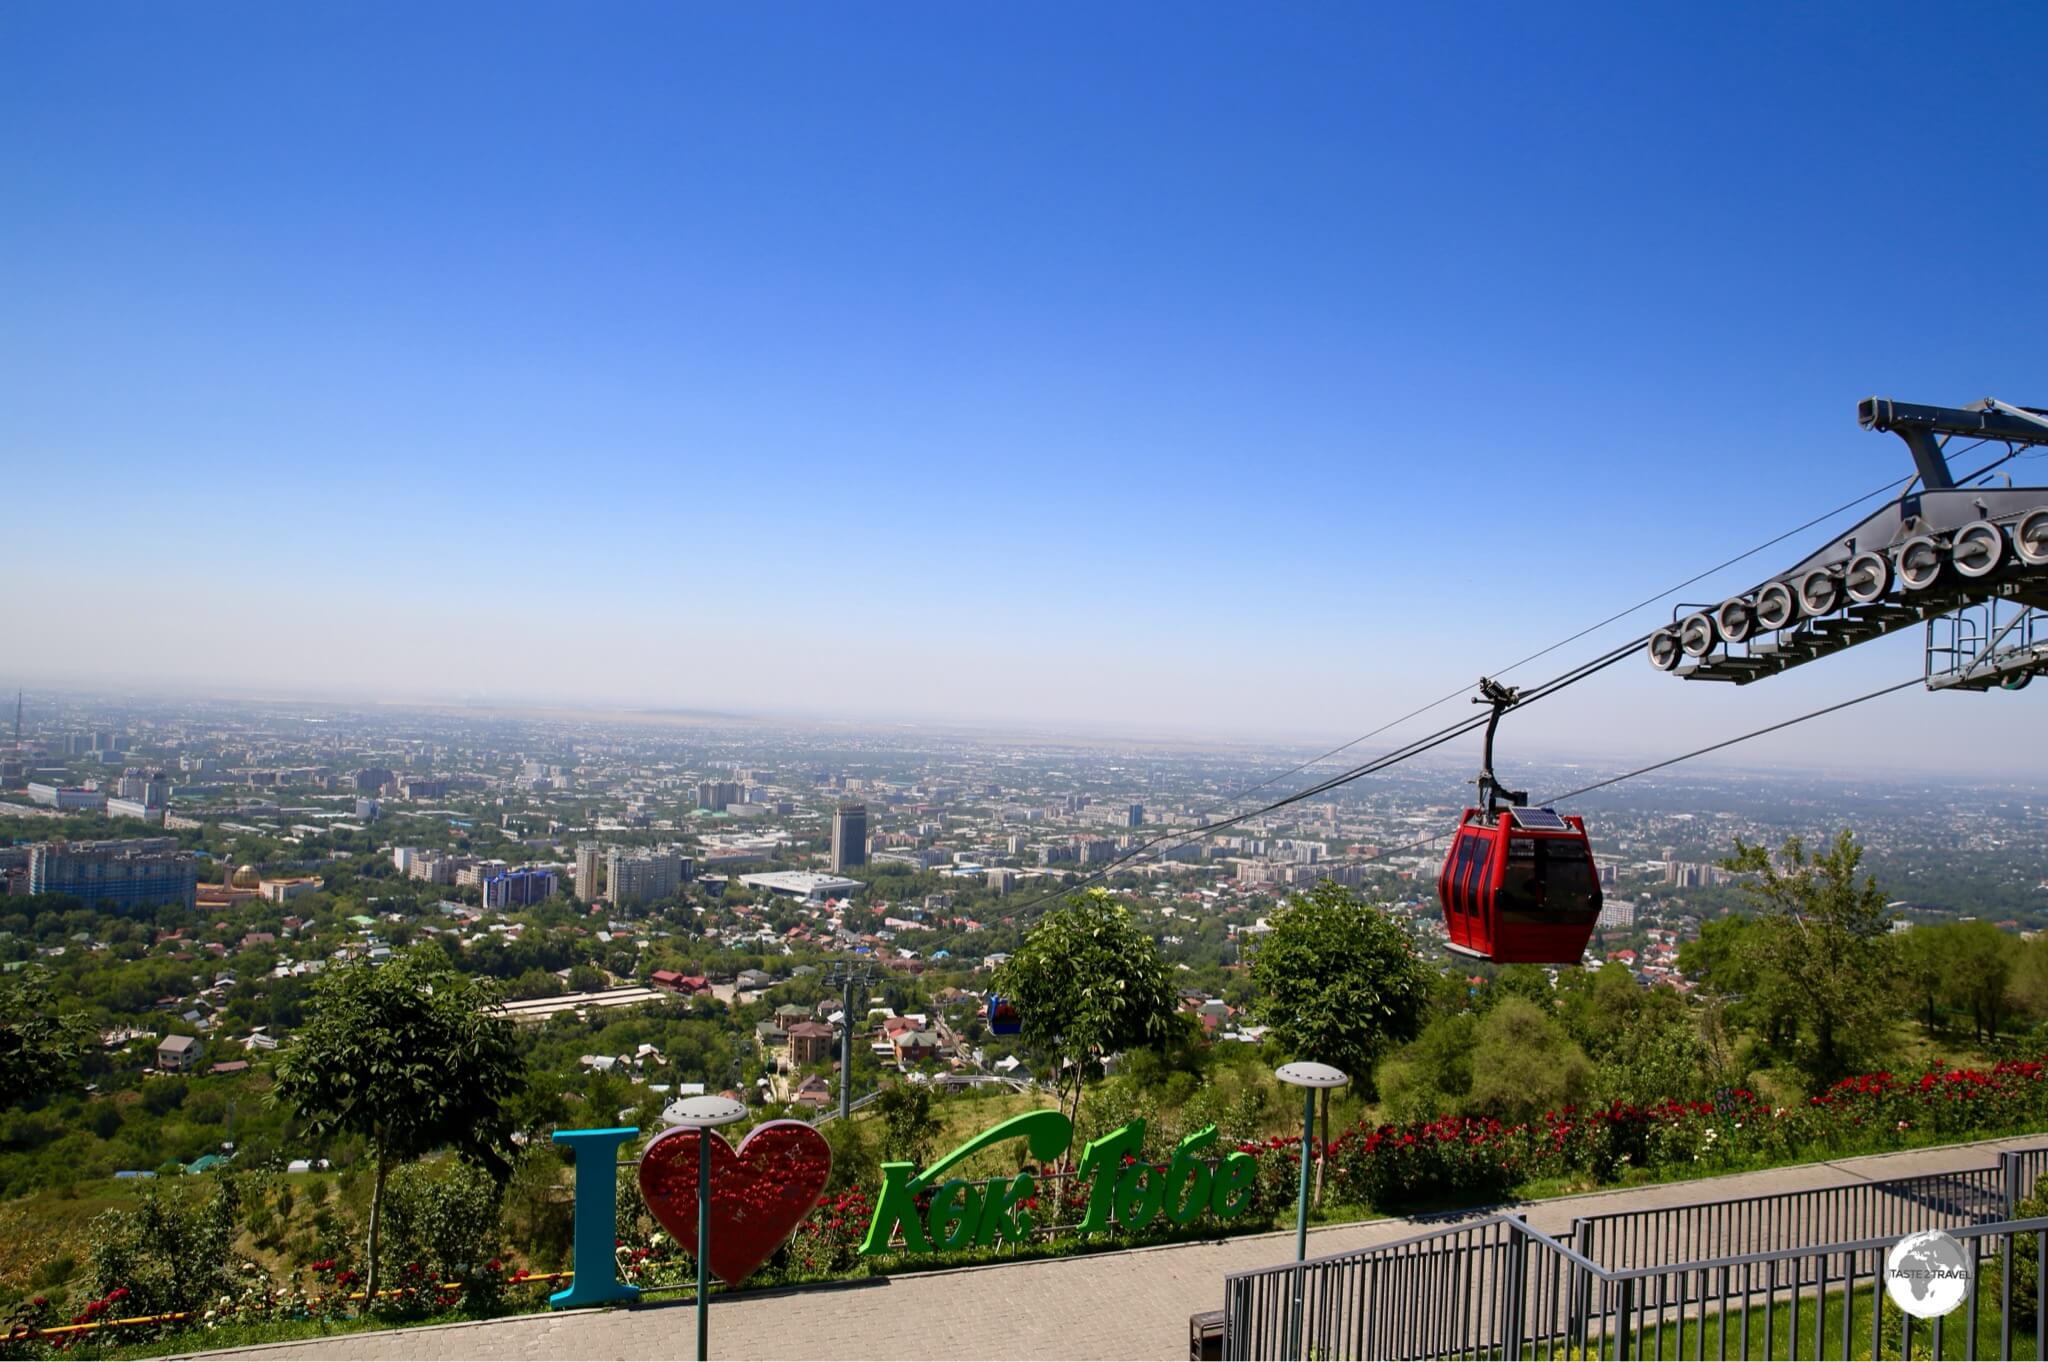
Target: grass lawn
(1788, 1330)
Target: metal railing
(1500, 1289)
(1786, 1220)
(1704, 1278)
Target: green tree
(39, 1046)
(1431, 1076)
(1822, 954)
(1924, 967)
(909, 1130)
(409, 1057)
(1980, 966)
(1339, 983)
(1523, 1064)
(2028, 990)
(1087, 983)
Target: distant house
(675, 981)
(231, 1066)
(913, 1046)
(810, 1042)
(174, 1054)
(814, 1092)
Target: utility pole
(850, 976)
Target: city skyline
(1181, 380)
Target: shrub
(441, 1226)
(171, 1252)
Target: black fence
(1798, 1274)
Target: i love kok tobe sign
(761, 1191)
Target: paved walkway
(1107, 1305)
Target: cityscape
(314, 833)
(1021, 681)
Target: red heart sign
(758, 1195)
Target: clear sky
(1232, 369)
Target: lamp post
(704, 1115)
(1311, 1078)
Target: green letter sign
(1132, 1194)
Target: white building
(803, 884)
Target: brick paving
(1134, 1303)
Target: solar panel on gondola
(1540, 820)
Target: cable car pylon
(1967, 560)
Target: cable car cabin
(1521, 888)
(1002, 1017)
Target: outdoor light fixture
(704, 1115)
(1311, 1078)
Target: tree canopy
(1822, 955)
(1087, 982)
(1338, 981)
(409, 1056)
(39, 1047)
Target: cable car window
(1556, 882)
(1478, 849)
(1461, 873)
(1571, 872)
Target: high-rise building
(587, 858)
(1137, 816)
(717, 795)
(849, 837)
(144, 872)
(516, 888)
(371, 779)
(641, 876)
(1094, 850)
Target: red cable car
(1518, 884)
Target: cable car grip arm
(1491, 791)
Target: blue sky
(1208, 369)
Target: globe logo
(1926, 1274)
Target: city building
(1616, 912)
(802, 884)
(66, 798)
(439, 867)
(135, 808)
(1095, 850)
(588, 857)
(642, 876)
(849, 837)
(372, 779)
(717, 795)
(517, 888)
(143, 872)
(175, 1054)
(284, 891)
(810, 1042)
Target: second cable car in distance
(1518, 885)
